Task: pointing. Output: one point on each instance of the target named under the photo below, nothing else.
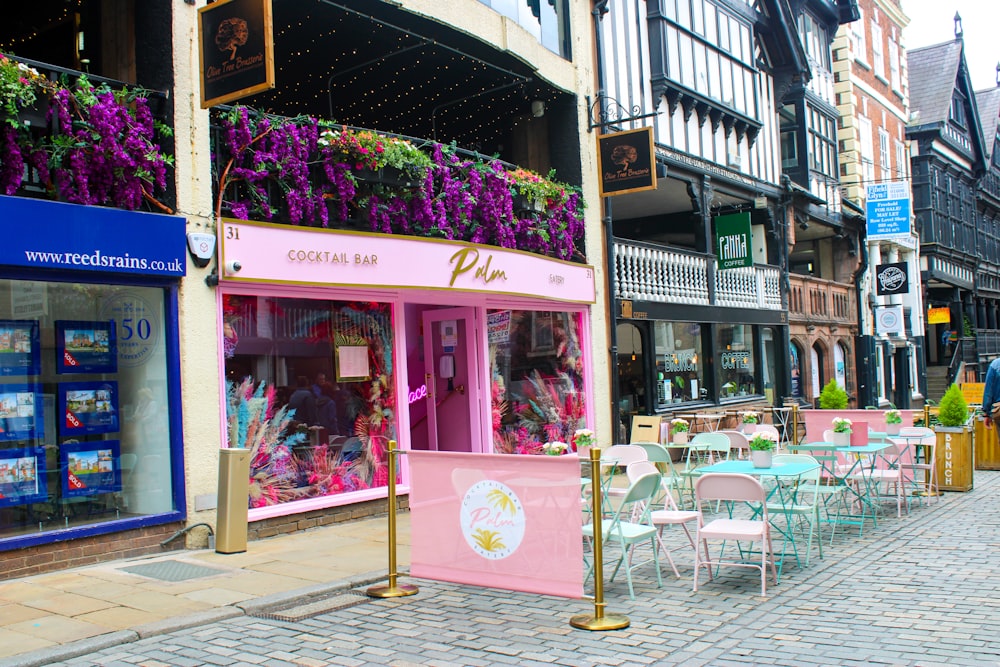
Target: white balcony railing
(646, 272)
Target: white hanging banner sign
(889, 320)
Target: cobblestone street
(920, 590)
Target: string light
(372, 97)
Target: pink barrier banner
(497, 520)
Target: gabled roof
(988, 102)
(935, 73)
(933, 77)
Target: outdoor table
(709, 421)
(781, 418)
(862, 466)
(782, 473)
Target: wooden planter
(987, 446)
(954, 457)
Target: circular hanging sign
(492, 519)
(888, 320)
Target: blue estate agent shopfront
(90, 437)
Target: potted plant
(750, 420)
(583, 437)
(893, 421)
(555, 448)
(679, 431)
(761, 448)
(833, 397)
(841, 431)
(954, 442)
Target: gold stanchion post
(795, 423)
(600, 620)
(392, 590)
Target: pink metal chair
(670, 515)
(622, 456)
(739, 444)
(921, 471)
(887, 477)
(733, 488)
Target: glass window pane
(329, 365)
(85, 401)
(673, 53)
(680, 364)
(700, 67)
(736, 367)
(537, 381)
(710, 23)
(687, 66)
(697, 17)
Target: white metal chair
(733, 488)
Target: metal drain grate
(172, 570)
(311, 609)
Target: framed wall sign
(22, 476)
(90, 468)
(86, 347)
(20, 412)
(627, 161)
(20, 352)
(88, 407)
(352, 363)
(236, 45)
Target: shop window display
(84, 406)
(537, 379)
(680, 364)
(311, 392)
(736, 361)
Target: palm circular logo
(492, 519)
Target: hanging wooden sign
(236, 45)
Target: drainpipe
(864, 347)
(784, 202)
(600, 9)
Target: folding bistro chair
(921, 469)
(670, 515)
(629, 534)
(733, 487)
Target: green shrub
(953, 411)
(833, 397)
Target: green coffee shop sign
(732, 240)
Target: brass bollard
(392, 590)
(600, 620)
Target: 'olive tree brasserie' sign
(627, 161)
(237, 50)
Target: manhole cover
(172, 570)
(311, 609)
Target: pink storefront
(437, 344)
